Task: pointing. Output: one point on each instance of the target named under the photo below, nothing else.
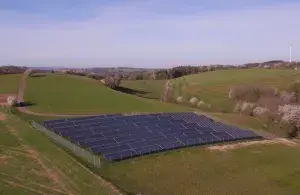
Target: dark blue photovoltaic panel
(120, 137)
(148, 149)
(171, 145)
(128, 138)
(121, 155)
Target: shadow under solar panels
(120, 137)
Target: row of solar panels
(133, 150)
(114, 131)
(112, 122)
(118, 137)
(122, 117)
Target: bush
(295, 89)
(247, 108)
(290, 114)
(270, 103)
(290, 130)
(194, 101)
(237, 107)
(277, 109)
(265, 114)
(112, 81)
(260, 111)
(200, 103)
(179, 99)
(251, 93)
(94, 76)
(288, 97)
(12, 100)
(244, 108)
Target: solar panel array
(120, 137)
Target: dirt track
(232, 146)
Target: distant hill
(11, 69)
(123, 69)
(41, 68)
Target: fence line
(80, 152)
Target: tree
(113, 81)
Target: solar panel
(120, 137)
(120, 155)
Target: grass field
(260, 170)
(9, 83)
(213, 87)
(31, 164)
(83, 95)
(49, 169)
(64, 94)
(151, 89)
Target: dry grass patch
(232, 146)
(2, 117)
(4, 159)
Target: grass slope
(31, 164)
(260, 170)
(151, 89)
(64, 94)
(213, 87)
(9, 83)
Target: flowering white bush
(290, 113)
(11, 100)
(200, 103)
(247, 105)
(194, 101)
(103, 81)
(238, 106)
(244, 107)
(288, 97)
(179, 99)
(258, 111)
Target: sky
(147, 33)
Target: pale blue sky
(147, 33)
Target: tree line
(11, 70)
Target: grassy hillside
(9, 83)
(31, 164)
(213, 87)
(260, 169)
(151, 89)
(252, 170)
(65, 94)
